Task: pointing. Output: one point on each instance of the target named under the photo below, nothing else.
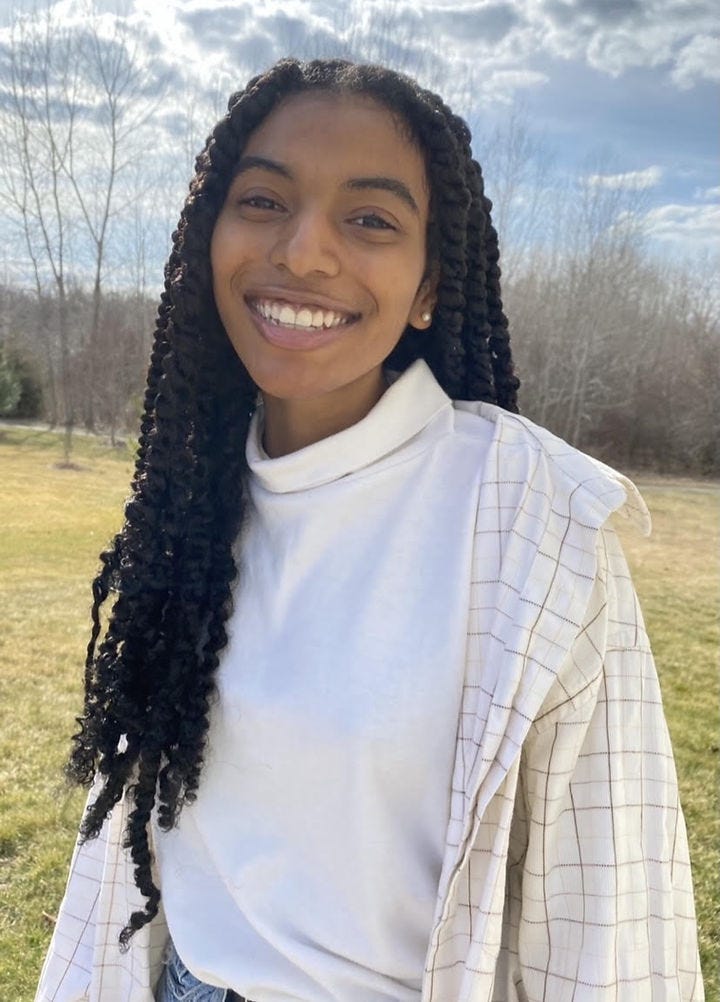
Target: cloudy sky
(622, 92)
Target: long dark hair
(169, 571)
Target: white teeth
(287, 315)
(305, 316)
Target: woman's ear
(421, 314)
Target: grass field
(53, 523)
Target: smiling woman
(374, 716)
(319, 261)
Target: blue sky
(629, 84)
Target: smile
(304, 317)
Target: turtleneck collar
(406, 407)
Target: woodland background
(618, 349)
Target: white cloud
(694, 226)
(616, 35)
(502, 85)
(609, 35)
(699, 59)
(676, 231)
(637, 180)
(480, 24)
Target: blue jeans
(177, 984)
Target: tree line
(618, 352)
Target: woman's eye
(371, 221)
(260, 202)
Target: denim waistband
(177, 984)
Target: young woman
(374, 715)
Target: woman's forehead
(355, 132)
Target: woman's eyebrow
(390, 184)
(264, 163)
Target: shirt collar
(407, 406)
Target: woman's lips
(297, 298)
(299, 314)
(298, 336)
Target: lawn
(54, 522)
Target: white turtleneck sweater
(308, 868)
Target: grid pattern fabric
(567, 874)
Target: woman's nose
(307, 244)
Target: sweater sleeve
(599, 894)
(67, 969)
(84, 962)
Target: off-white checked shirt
(566, 875)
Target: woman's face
(318, 253)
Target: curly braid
(170, 570)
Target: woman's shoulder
(524, 457)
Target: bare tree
(518, 168)
(35, 147)
(574, 307)
(78, 96)
(105, 115)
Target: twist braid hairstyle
(169, 571)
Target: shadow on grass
(85, 447)
(67, 464)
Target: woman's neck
(293, 424)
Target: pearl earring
(426, 317)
